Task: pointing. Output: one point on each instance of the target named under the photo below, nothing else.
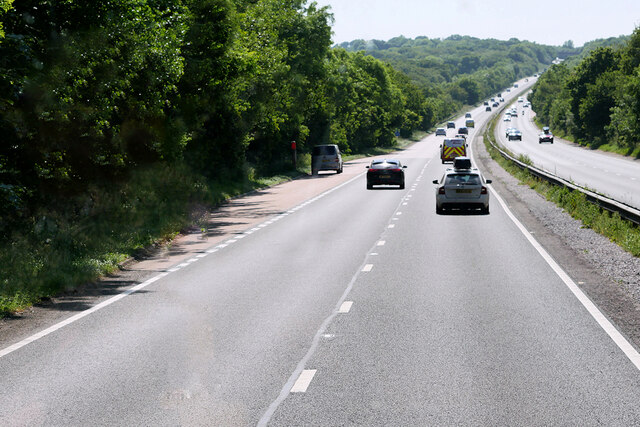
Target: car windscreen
(324, 150)
(462, 178)
(456, 142)
(385, 165)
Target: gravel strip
(609, 275)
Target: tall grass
(611, 225)
(62, 249)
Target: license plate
(385, 176)
(464, 191)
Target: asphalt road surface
(609, 174)
(354, 307)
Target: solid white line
(381, 242)
(367, 267)
(79, 316)
(303, 381)
(604, 323)
(201, 255)
(146, 283)
(345, 307)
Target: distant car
(507, 118)
(467, 115)
(508, 130)
(451, 125)
(441, 131)
(501, 99)
(487, 109)
(496, 104)
(545, 136)
(520, 99)
(326, 157)
(526, 105)
(462, 189)
(385, 172)
(515, 85)
(500, 96)
(486, 102)
(463, 130)
(508, 90)
(460, 135)
(515, 134)
(470, 123)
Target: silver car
(326, 157)
(462, 189)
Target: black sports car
(385, 172)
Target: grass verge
(91, 235)
(611, 225)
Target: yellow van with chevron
(470, 123)
(452, 148)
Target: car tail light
(395, 170)
(441, 190)
(483, 190)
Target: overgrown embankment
(575, 203)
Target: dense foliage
(596, 101)
(117, 116)
(461, 69)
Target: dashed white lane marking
(391, 225)
(303, 381)
(382, 242)
(405, 204)
(345, 307)
(395, 219)
(201, 255)
(398, 213)
(367, 267)
(231, 241)
(374, 253)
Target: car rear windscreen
(324, 150)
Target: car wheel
(439, 211)
(443, 161)
(402, 185)
(339, 170)
(485, 210)
(369, 186)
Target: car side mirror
(404, 167)
(366, 166)
(435, 181)
(440, 145)
(488, 181)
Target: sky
(549, 22)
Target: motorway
(611, 175)
(351, 307)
